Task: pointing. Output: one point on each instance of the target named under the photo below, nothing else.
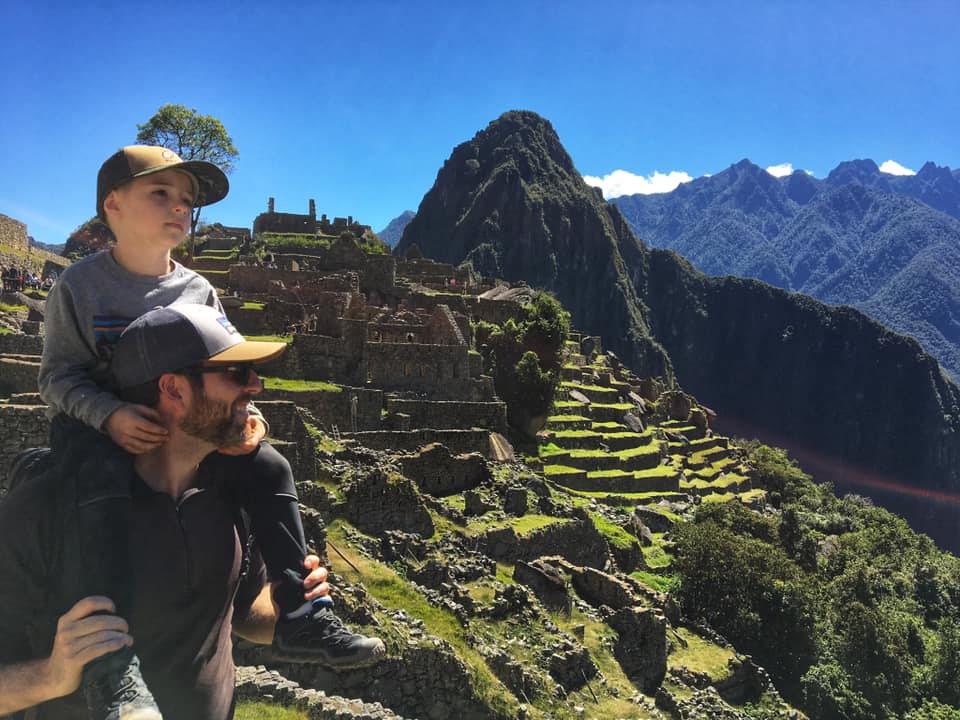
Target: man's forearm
(258, 623)
(24, 684)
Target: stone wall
(297, 444)
(457, 441)
(272, 221)
(577, 540)
(330, 408)
(433, 274)
(21, 427)
(439, 473)
(319, 357)
(253, 278)
(13, 233)
(412, 366)
(19, 344)
(448, 414)
(284, 223)
(18, 375)
(256, 683)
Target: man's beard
(215, 421)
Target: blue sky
(357, 104)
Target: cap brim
(248, 351)
(212, 183)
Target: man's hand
(82, 637)
(255, 432)
(136, 428)
(260, 620)
(315, 584)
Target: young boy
(146, 194)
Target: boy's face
(152, 211)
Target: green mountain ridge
(844, 240)
(511, 203)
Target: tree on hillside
(523, 356)
(193, 137)
(90, 237)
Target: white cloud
(621, 182)
(891, 167)
(781, 170)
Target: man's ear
(171, 388)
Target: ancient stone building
(222, 237)
(274, 222)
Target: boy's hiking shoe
(320, 637)
(121, 695)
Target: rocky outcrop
(510, 203)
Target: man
(190, 365)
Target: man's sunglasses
(239, 374)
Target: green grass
(529, 523)
(581, 453)
(560, 470)
(649, 449)
(264, 711)
(606, 474)
(253, 306)
(615, 426)
(389, 589)
(272, 383)
(561, 434)
(700, 656)
(656, 555)
(324, 441)
(613, 533)
(660, 583)
(4, 307)
(566, 385)
(271, 338)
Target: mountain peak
(511, 204)
(863, 171)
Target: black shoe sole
(313, 657)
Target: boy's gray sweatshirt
(89, 306)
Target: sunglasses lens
(241, 374)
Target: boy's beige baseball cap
(209, 182)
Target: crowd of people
(17, 279)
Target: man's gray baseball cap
(176, 337)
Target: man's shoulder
(37, 496)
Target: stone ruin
(416, 418)
(274, 222)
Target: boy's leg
(306, 632)
(266, 490)
(100, 472)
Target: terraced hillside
(614, 436)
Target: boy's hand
(255, 432)
(315, 584)
(136, 428)
(82, 637)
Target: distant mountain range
(888, 245)
(510, 203)
(48, 247)
(394, 230)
